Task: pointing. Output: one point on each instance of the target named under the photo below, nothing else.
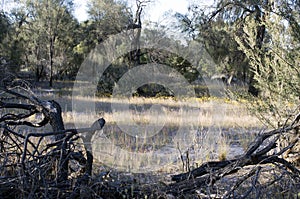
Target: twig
(72, 131)
(254, 182)
(181, 156)
(240, 181)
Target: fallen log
(259, 152)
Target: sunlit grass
(203, 118)
(193, 111)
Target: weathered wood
(203, 169)
(37, 164)
(257, 153)
(52, 111)
(87, 140)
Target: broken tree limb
(87, 139)
(17, 97)
(249, 156)
(259, 152)
(71, 132)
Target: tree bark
(54, 114)
(51, 54)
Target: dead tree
(38, 158)
(87, 140)
(262, 151)
(136, 28)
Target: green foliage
(276, 68)
(217, 36)
(4, 26)
(258, 42)
(107, 17)
(10, 47)
(46, 32)
(178, 61)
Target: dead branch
(259, 152)
(26, 160)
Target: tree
(217, 31)
(10, 43)
(108, 17)
(49, 23)
(248, 36)
(275, 64)
(4, 25)
(264, 37)
(111, 17)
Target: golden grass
(194, 111)
(203, 119)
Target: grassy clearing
(146, 137)
(184, 133)
(198, 112)
(205, 123)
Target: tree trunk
(51, 53)
(136, 54)
(87, 140)
(54, 115)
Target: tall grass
(204, 120)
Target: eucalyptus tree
(216, 28)
(48, 24)
(108, 17)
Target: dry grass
(121, 146)
(197, 112)
(204, 121)
(210, 126)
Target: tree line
(45, 38)
(255, 43)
